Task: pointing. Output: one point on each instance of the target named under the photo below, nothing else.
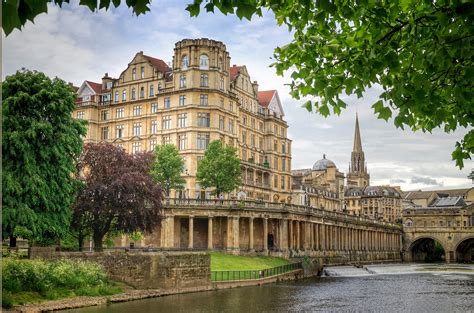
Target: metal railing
(254, 274)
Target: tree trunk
(12, 241)
(98, 238)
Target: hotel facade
(197, 98)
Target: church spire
(358, 176)
(357, 141)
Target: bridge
(452, 228)
(277, 229)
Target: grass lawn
(227, 262)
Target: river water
(376, 288)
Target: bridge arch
(465, 249)
(427, 249)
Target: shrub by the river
(35, 280)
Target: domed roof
(323, 164)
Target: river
(375, 288)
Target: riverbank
(131, 295)
(220, 262)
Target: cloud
(425, 181)
(76, 44)
(397, 181)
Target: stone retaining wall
(147, 270)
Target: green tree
(41, 142)
(168, 167)
(219, 169)
(420, 52)
(15, 13)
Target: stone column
(311, 234)
(251, 248)
(190, 232)
(322, 229)
(209, 233)
(316, 237)
(265, 234)
(298, 235)
(290, 240)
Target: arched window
(133, 93)
(204, 62)
(134, 73)
(408, 223)
(184, 62)
(124, 95)
(152, 91)
(116, 96)
(222, 83)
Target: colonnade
(242, 232)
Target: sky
(76, 45)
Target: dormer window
(184, 62)
(134, 73)
(142, 71)
(204, 62)
(108, 85)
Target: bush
(41, 276)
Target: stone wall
(149, 270)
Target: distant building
(376, 202)
(361, 199)
(426, 198)
(322, 186)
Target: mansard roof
(373, 191)
(448, 202)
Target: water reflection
(415, 292)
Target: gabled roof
(95, 86)
(158, 63)
(234, 72)
(452, 192)
(265, 97)
(412, 195)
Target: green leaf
(308, 106)
(194, 9)
(91, 4)
(10, 19)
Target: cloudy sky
(75, 44)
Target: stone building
(322, 186)
(361, 199)
(421, 198)
(195, 99)
(376, 202)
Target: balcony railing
(270, 206)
